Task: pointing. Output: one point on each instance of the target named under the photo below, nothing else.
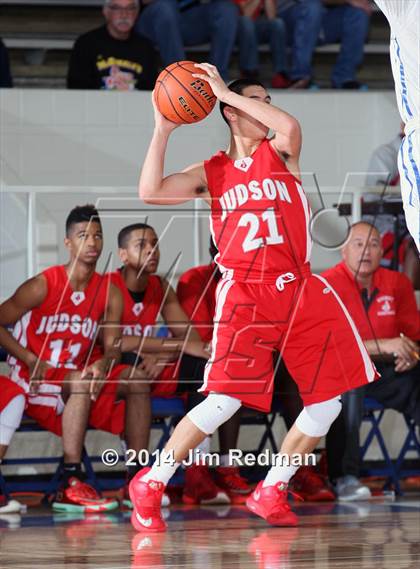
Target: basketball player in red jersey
(54, 370)
(145, 296)
(268, 298)
(196, 291)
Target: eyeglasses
(115, 8)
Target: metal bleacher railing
(352, 193)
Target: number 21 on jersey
(251, 241)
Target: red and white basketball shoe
(146, 498)
(271, 504)
(311, 486)
(229, 479)
(126, 501)
(77, 496)
(200, 488)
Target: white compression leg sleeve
(10, 419)
(315, 420)
(215, 410)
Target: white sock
(225, 460)
(278, 474)
(162, 470)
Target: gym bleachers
(40, 35)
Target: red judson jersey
(139, 318)
(63, 329)
(259, 214)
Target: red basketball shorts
(306, 322)
(166, 383)
(46, 406)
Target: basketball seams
(186, 90)
(179, 64)
(162, 85)
(192, 105)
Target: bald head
(362, 252)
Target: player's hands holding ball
(162, 123)
(213, 78)
(183, 94)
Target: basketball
(182, 98)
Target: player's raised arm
(154, 188)
(288, 138)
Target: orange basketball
(182, 98)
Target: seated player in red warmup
(383, 306)
(57, 375)
(267, 299)
(196, 291)
(145, 297)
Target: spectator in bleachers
(173, 24)
(113, 57)
(383, 307)
(346, 22)
(258, 24)
(5, 75)
(303, 22)
(312, 22)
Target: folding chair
(411, 444)
(374, 412)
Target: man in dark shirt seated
(113, 57)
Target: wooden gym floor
(380, 534)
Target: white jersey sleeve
(395, 10)
(404, 20)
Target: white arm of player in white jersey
(395, 10)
